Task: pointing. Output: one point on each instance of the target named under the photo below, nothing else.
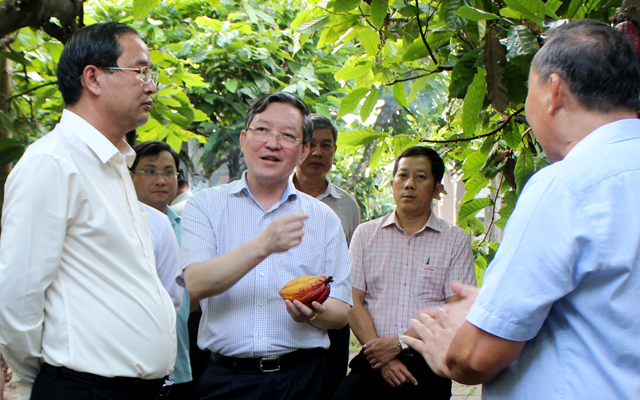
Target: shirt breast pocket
(428, 287)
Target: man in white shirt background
(83, 314)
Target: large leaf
(473, 185)
(463, 73)
(511, 136)
(524, 169)
(471, 208)
(399, 94)
(345, 5)
(494, 57)
(473, 103)
(142, 7)
(10, 150)
(351, 101)
(358, 138)
(475, 14)
(521, 42)
(448, 10)
(354, 72)
(473, 164)
(313, 25)
(370, 41)
(379, 12)
(369, 104)
(533, 10)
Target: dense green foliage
(448, 73)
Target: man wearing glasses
(242, 242)
(83, 314)
(155, 177)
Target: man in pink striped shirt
(403, 262)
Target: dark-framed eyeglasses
(265, 134)
(146, 74)
(151, 174)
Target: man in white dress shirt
(83, 314)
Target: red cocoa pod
(631, 32)
(307, 289)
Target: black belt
(120, 383)
(266, 364)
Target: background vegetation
(448, 73)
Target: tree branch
(422, 35)
(27, 91)
(493, 132)
(17, 14)
(493, 212)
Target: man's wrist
(401, 344)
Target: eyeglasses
(265, 134)
(146, 74)
(154, 174)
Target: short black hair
(182, 178)
(153, 148)
(322, 122)
(437, 165)
(263, 102)
(95, 44)
(596, 61)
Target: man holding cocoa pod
(558, 315)
(242, 242)
(403, 262)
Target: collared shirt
(165, 249)
(401, 274)
(78, 283)
(182, 371)
(344, 205)
(250, 319)
(567, 275)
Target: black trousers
(366, 383)
(181, 391)
(306, 380)
(338, 357)
(59, 383)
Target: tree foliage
(393, 73)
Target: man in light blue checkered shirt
(244, 241)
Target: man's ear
(557, 92)
(305, 151)
(437, 191)
(90, 80)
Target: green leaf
(473, 164)
(369, 104)
(494, 57)
(206, 22)
(471, 208)
(169, 101)
(400, 94)
(370, 41)
(142, 7)
(192, 80)
(10, 150)
(346, 73)
(511, 136)
(463, 73)
(313, 25)
(16, 57)
(448, 11)
(473, 103)
(379, 12)
(358, 138)
(6, 121)
(231, 85)
(473, 185)
(474, 14)
(381, 149)
(521, 42)
(418, 86)
(351, 101)
(533, 10)
(524, 169)
(481, 267)
(345, 5)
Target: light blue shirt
(566, 277)
(182, 370)
(250, 319)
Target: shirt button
(261, 273)
(260, 335)
(260, 304)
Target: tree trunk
(5, 92)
